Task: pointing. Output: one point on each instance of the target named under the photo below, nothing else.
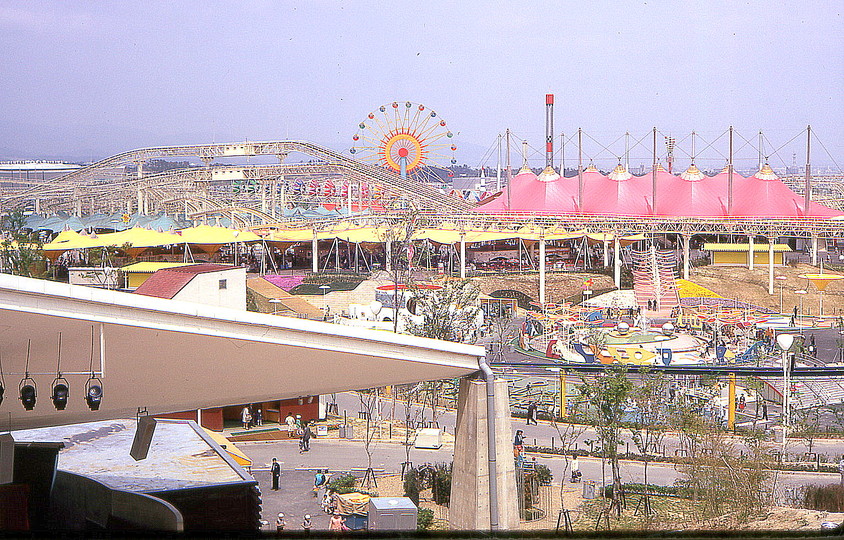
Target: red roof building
(206, 283)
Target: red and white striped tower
(549, 130)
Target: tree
(411, 416)
(648, 426)
(607, 394)
(398, 243)
(20, 250)
(369, 400)
(451, 313)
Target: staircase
(654, 278)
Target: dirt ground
(729, 281)
(669, 513)
(558, 286)
(752, 286)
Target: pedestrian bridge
(165, 356)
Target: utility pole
(580, 169)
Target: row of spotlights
(28, 391)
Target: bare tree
(607, 394)
(369, 406)
(648, 427)
(398, 242)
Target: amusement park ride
(408, 138)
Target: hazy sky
(89, 79)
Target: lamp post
(324, 289)
(785, 342)
(782, 285)
(801, 292)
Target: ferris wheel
(405, 137)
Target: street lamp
(324, 301)
(785, 342)
(782, 284)
(801, 292)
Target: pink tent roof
(765, 195)
(618, 193)
(528, 194)
(691, 194)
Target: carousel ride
(698, 335)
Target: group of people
(248, 419)
(296, 428)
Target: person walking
(531, 413)
(291, 425)
(305, 441)
(279, 522)
(275, 470)
(306, 524)
(259, 416)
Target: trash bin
(347, 432)
(588, 489)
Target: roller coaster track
(101, 175)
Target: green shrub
(342, 484)
(424, 519)
(412, 485)
(441, 485)
(543, 474)
(828, 498)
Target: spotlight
(94, 393)
(28, 392)
(61, 390)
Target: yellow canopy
(440, 236)
(292, 235)
(138, 237)
(208, 234)
(148, 267)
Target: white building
(219, 285)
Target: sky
(84, 80)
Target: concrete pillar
(606, 243)
(37, 205)
(140, 204)
(616, 261)
(129, 207)
(771, 241)
(542, 269)
(470, 501)
(140, 169)
(462, 256)
(750, 258)
(314, 254)
(814, 249)
(687, 239)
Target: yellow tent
(210, 238)
(291, 235)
